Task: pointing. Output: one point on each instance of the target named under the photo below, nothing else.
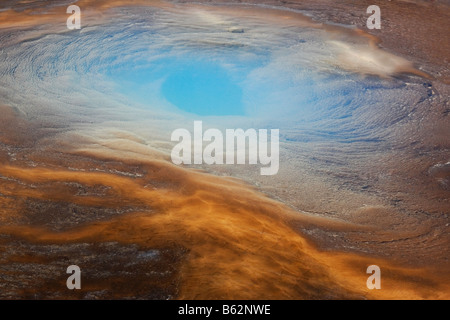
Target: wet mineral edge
(86, 177)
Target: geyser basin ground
(85, 138)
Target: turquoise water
(204, 89)
(199, 87)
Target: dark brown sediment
(216, 237)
